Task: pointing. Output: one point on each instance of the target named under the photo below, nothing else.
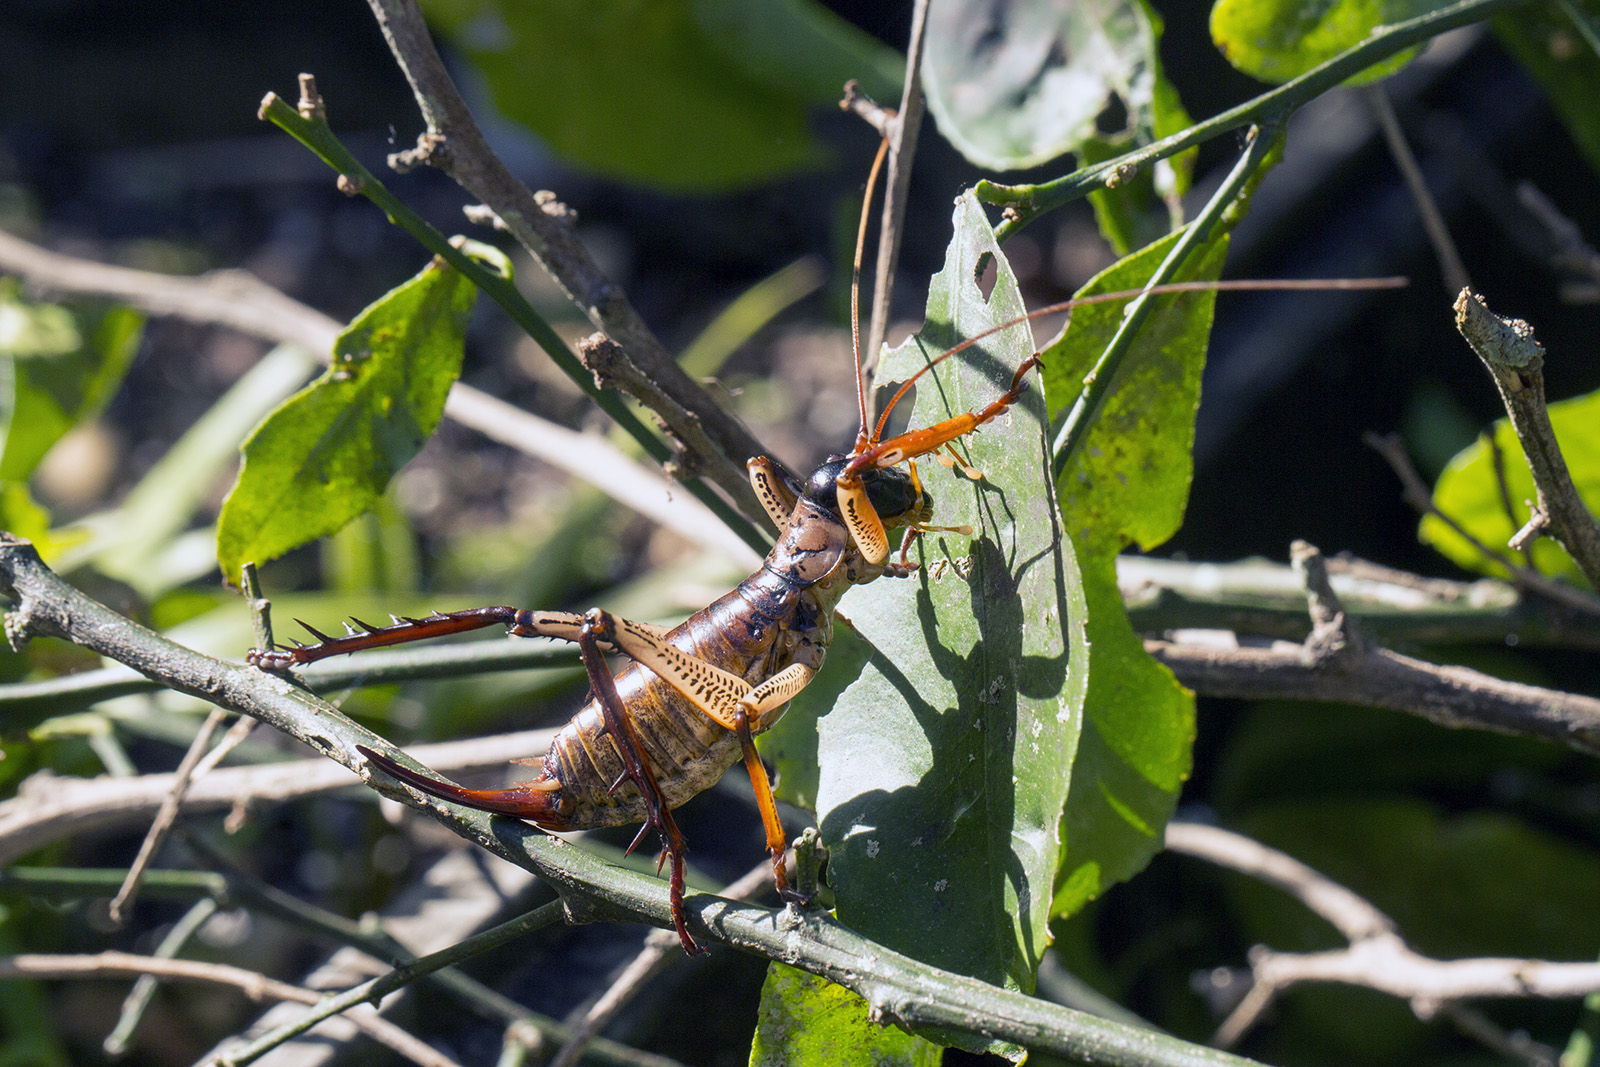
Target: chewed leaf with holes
(326, 454)
(944, 766)
(1017, 85)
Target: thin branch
(1444, 247)
(1457, 697)
(1516, 361)
(453, 143)
(1028, 202)
(438, 917)
(240, 301)
(255, 986)
(1098, 383)
(1259, 597)
(897, 181)
(1417, 494)
(49, 809)
(118, 1042)
(21, 702)
(1352, 915)
(161, 825)
(897, 988)
(1377, 957)
(1336, 665)
(397, 978)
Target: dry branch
(240, 301)
(1516, 362)
(715, 444)
(1376, 958)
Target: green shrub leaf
(690, 95)
(1469, 491)
(806, 1021)
(1017, 85)
(326, 454)
(1276, 40)
(1128, 483)
(945, 765)
(58, 367)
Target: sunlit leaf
(1469, 491)
(1016, 85)
(944, 766)
(806, 1021)
(1276, 40)
(324, 456)
(1128, 483)
(58, 367)
(693, 95)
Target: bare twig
(241, 301)
(1516, 361)
(1257, 596)
(902, 150)
(1457, 697)
(1569, 252)
(255, 986)
(161, 825)
(1377, 957)
(1416, 493)
(52, 809)
(1336, 664)
(1444, 247)
(384, 984)
(134, 1004)
(1497, 459)
(716, 444)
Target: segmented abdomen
(688, 749)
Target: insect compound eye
(893, 493)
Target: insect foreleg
(777, 491)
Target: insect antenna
(855, 293)
(1236, 285)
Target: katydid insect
(691, 701)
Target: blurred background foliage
(702, 160)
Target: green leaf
(945, 765)
(1145, 207)
(1276, 40)
(1017, 85)
(324, 456)
(690, 95)
(58, 367)
(1469, 491)
(805, 1020)
(1128, 483)
(1562, 56)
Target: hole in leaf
(985, 273)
